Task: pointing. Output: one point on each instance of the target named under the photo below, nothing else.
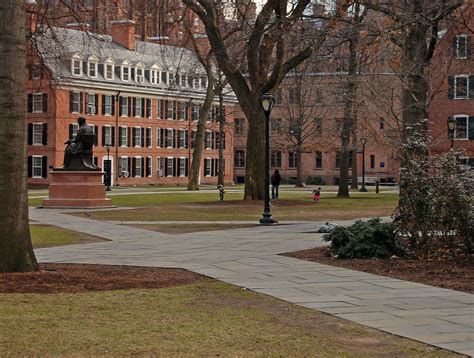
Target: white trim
(33, 167)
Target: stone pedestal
(76, 189)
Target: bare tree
(266, 64)
(16, 252)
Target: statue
(78, 152)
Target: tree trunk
(16, 252)
(255, 153)
(299, 177)
(220, 178)
(354, 184)
(193, 183)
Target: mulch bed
(74, 278)
(456, 275)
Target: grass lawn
(205, 319)
(291, 206)
(47, 236)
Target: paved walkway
(249, 257)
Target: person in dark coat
(276, 180)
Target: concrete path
(249, 257)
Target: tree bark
(355, 171)
(220, 178)
(16, 252)
(193, 181)
(299, 175)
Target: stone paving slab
(250, 258)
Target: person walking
(317, 194)
(276, 180)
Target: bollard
(221, 192)
(377, 186)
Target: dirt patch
(75, 278)
(455, 275)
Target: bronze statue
(78, 152)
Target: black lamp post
(451, 128)
(267, 101)
(363, 140)
(108, 173)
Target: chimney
(31, 19)
(123, 32)
(79, 26)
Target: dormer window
(76, 65)
(184, 80)
(125, 71)
(155, 75)
(140, 73)
(109, 69)
(92, 64)
(164, 77)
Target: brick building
(452, 84)
(142, 99)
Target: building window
(38, 101)
(91, 104)
(109, 70)
(461, 87)
(195, 112)
(139, 74)
(239, 158)
(138, 106)
(291, 159)
(319, 160)
(107, 135)
(124, 137)
(92, 68)
(462, 127)
(159, 167)
(239, 126)
(154, 76)
(182, 167)
(461, 46)
(207, 167)
(137, 136)
(182, 138)
(76, 66)
(125, 70)
(275, 126)
(182, 111)
(169, 166)
(36, 72)
(76, 100)
(138, 166)
(208, 140)
(164, 77)
(38, 132)
(123, 167)
(169, 138)
(318, 126)
(124, 106)
(381, 123)
(275, 159)
(372, 161)
(37, 169)
(108, 110)
(170, 110)
(148, 167)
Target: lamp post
(108, 177)
(267, 101)
(451, 128)
(363, 140)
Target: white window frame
(456, 117)
(208, 140)
(167, 135)
(109, 62)
(108, 105)
(138, 143)
(182, 138)
(124, 159)
(168, 161)
(37, 136)
(159, 165)
(182, 111)
(183, 80)
(75, 128)
(76, 102)
(37, 96)
(92, 64)
(158, 138)
(33, 166)
(182, 167)
(155, 75)
(150, 130)
(138, 107)
(456, 87)
(465, 47)
(107, 135)
(125, 106)
(76, 60)
(126, 65)
(89, 96)
(171, 110)
(138, 165)
(140, 78)
(124, 137)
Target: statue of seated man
(78, 152)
